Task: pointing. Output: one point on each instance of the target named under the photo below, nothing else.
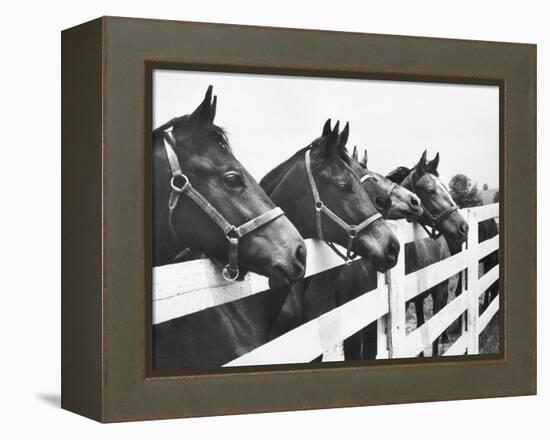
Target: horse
(323, 197)
(439, 212)
(446, 228)
(201, 192)
(403, 204)
(334, 287)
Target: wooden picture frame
(106, 215)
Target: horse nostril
(301, 254)
(414, 202)
(382, 203)
(463, 228)
(393, 250)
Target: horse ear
(422, 162)
(326, 128)
(213, 109)
(365, 159)
(421, 166)
(344, 136)
(432, 166)
(203, 112)
(355, 155)
(332, 142)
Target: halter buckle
(233, 234)
(352, 233)
(366, 177)
(174, 180)
(319, 206)
(226, 273)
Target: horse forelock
(183, 131)
(399, 174)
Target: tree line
(466, 194)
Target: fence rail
(203, 287)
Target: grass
(488, 339)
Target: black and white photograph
(301, 219)
(281, 220)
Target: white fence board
(382, 340)
(488, 314)
(486, 280)
(486, 247)
(397, 318)
(202, 286)
(407, 232)
(312, 339)
(459, 346)
(423, 336)
(486, 212)
(472, 280)
(421, 280)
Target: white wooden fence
(185, 288)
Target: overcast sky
(270, 117)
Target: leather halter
(320, 208)
(434, 220)
(390, 190)
(180, 184)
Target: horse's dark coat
(337, 286)
(332, 288)
(215, 336)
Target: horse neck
(293, 194)
(165, 244)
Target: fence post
(464, 279)
(473, 276)
(397, 315)
(382, 326)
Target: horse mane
(272, 178)
(400, 173)
(270, 181)
(209, 131)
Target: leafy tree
(463, 192)
(496, 197)
(485, 187)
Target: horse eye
(233, 180)
(345, 187)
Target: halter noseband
(180, 184)
(352, 230)
(390, 190)
(434, 220)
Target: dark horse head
(392, 200)
(202, 152)
(339, 189)
(440, 210)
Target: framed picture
(263, 219)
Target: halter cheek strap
(434, 220)
(320, 208)
(390, 190)
(180, 185)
